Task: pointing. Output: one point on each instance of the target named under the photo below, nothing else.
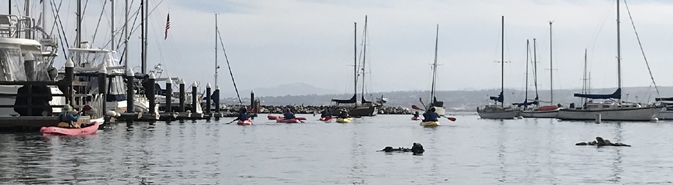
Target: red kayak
(281, 120)
(329, 118)
(246, 122)
(70, 131)
(270, 117)
(415, 118)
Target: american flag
(168, 25)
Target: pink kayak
(415, 118)
(70, 131)
(281, 120)
(246, 122)
(271, 117)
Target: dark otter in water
(601, 142)
(416, 149)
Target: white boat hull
(623, 114)
(665, 115)
(10, 100)
(500, 114)
(540, 114)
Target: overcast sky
(275, 42)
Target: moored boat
(499, 111)
(70, 131)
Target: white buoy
(598, 118)
(654, 119)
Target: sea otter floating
(601, 142)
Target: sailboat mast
(79, 29)
(364, 57)
(147, 12)
(44, 16)
(584, 85)
(525, 99)
(434, 68)
(535, 66)
(619, 57)
(355, 60)
(502, 62)
(27, 11)
(216, 30)
(126, 34)
(112, 25)
(142, 36)
(551, 67)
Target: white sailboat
(548, 111)
(499, 111)
(613, 109)
(438, 105)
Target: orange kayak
(326, 118)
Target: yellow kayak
(430, 123)
(344, 120)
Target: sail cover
(616, 95)
(526, 103)
(352, 100)
(498, 98)
(365, 101)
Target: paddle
(418, 108)
(233, 121)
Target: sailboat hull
(499, 114)
(622, 114)
(540, 114)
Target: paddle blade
(416, 107)
(451, 118)
(421, 100)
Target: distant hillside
(282, 90)
(462, 100)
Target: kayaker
(67, 118)
(243, 114)
(343, 113)
(416, 114)
(288, 114)
(430, 115)
(325, 113)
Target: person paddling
(288, 114)
(67, 118)
(242, 115)
(416, 114)
(343, 113)
(325, 113)
(430, 115)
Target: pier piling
(208, 101)
(102, 89)
(182, 95)
(129, 90)
(150, 92)
(194, 102)
(169, 94)
(69, 76)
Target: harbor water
(468, 151)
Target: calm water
(468, 151)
